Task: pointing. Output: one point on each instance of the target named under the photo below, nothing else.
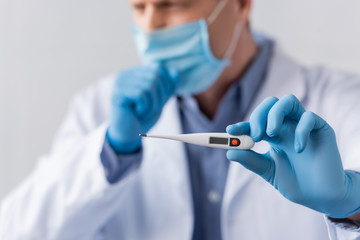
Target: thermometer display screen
(218, 140)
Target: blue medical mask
(185, 49)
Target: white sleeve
(338, 104)
(66, 194)
(342, 230)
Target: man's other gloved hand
(138, 97)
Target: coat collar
(284, 77)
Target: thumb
(174, 75)
(260, 164)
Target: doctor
(204, 71)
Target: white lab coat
(68, 197)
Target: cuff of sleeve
(345, 223)
(343, 229)
(118, 166)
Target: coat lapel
(284, 77)
(166, 176)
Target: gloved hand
(138, 97)
(303, 162)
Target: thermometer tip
(142, 135)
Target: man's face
(156, 14)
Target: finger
(241, 128)
(309, 121)
(150, 120)
(139, 102)
(164, 92)
(258, 118)
(147, 93)
(135, 76)
(167, 79)
(288, 106)
(144, 102)
(132, 98)
(174, 77)
(156, 81)
(155, 92)
(135, 89)
(260, 164)
(165, 85)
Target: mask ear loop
(234, 41)
(219, 7)
(237, 30)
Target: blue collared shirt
(207, 166)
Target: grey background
(51, 49)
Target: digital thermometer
(214, 140)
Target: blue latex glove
(303, 162)
(138, 97)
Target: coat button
(213, 196)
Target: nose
(153, 19)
